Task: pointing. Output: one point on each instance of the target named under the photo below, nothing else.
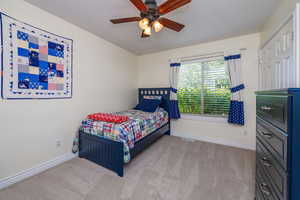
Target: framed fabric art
(34, 62)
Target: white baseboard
(35, 170)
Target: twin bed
(113, 145)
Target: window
(204, 87)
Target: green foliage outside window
(215, 103)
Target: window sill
(204, 118)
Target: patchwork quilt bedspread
(139, 125)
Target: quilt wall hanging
(34, 62)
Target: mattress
(139, 125)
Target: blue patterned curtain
(236, 111)
(174, 76)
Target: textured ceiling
(205, 20)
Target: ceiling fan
(151, 13)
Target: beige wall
(284, 9)
(104, 80)
(153, 71)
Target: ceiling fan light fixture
(147, 31)
(144, 23)
(157, 26)
(151, 15)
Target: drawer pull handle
(265, 108)
(265, 189)
(266, 162)
(267, 135)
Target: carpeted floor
(171, 169)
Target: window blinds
(204, 87)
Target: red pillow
(108, 117)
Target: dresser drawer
(274, 172)
(273, 109)
(275, 140)
(264, 186)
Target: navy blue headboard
(164, 92)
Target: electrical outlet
(58, 143)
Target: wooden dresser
(278, 144)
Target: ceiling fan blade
(139, 4)
(144, 35)
(124, 20)
(171, 24)
(171, 5)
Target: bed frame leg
(120, 168)
(120, 172)
(168, 132)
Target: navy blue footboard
(104, 152)
(109, 153)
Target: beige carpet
(171, 169)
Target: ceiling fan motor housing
(152, 12)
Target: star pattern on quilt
(23, 36)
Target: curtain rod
(208, 55)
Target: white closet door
(277, 67)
